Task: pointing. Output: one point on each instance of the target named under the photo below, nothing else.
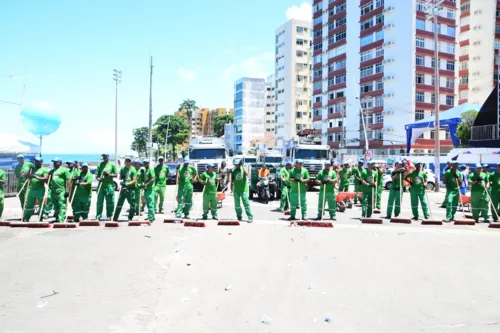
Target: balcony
(317, 118)
(332, 130)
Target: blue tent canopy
(450, 118)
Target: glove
(123, 184)
(66, 195)
(51, 172)
(298, 180)
(372, 185)
(78, 182)
(31, 176)
(105, 173)
(192, 181)
(324, 182)
(143, 185)
(479, 180)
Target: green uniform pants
(357, 188)
(495, 202)
(294, 202)
(242, 197)
(451, 203)
(160, 197)
(129, 195)
(394, 200)
(417, 196)
(81, 207)
(479, 205)
(367, 203)
(185, 199)
(107, 192)
(22, 195)
(344, 188)
(284, 204)
(210, 203)
(149, 196)
(59, 202)
(49, 205)
(379, 197)
(329, 200)
(1, 203)
(33, 196)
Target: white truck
(205, 150)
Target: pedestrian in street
(239, 187)
(128, 180)
(223, 177)
(20, 171)
(82, 185)
(452, 180)
(36, 191)
(479, 198)
(418, 185)
(396, 191)
(285, 186)
(486, 170)
(494, 180)
(380, 186)
(105, 173)
(146, 180)
(368, 180)
(187, 177)
(465, 177)
(448, 167)
(209, 181)
(161, 174)
(299, 177)
(327, 178)
(139, 198)
(59, 178)
(3, 180)
(358, 184)
(345, 178)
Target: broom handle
(428, 205)
(27, 192)
(323, 206)
(44, 198)
(22, 187)
(491, 202)
(119, 193)
(70, 204)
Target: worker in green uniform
(395, 192)
(345, 177)
(128, 180)
(494, 180)
(161, 174)
(285, 186)
(358, 184)
(453, 180)
(327, 178)
(146, 184)
(239, 188)
(418, 184)
(368, 179)
(299, 177)
(139, 198)
(36, 191)
(380, 185)
(82, 185)
(209, 179)
(59, 177)
(486, 171)
(479, 198)
(187, 176)
(3, 180)
(21, 170)
(105, 173)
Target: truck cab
(205, 150)
(314, 156)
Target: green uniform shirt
(38, 184)
(109, 168)
(418, 179)
(495, 182)
(3, 176)
(186, 174)
(285, 174)
(60, 177)
(210, 180)
(299, 174)
(395, 185)
(370, 177)
(452, 183)
(356, 172)
(380, 178)
(20, 171)
(127, 175)
(345, 177)
(144, 176)
(477, 188)
(324, 175)
(161, 174)
(84, 190)
(239, 180)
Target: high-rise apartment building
(270, 105)
(203, 120)
(373, 63)
(249, 112)
(293, 79)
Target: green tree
(190, 106)
(141, 136)
(464, 129)
(219, 122)
(178, 132)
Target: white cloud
(186, 75)
(302, 12)
(260, 66)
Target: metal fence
(10, 188)
(484, 133)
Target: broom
(174, 219)
(465, 220)
(65, 224)
(493, 208)
(40, 224)
(400, 219)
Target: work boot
(333, 218)
(250, 220)
(387, 217)
(414, 218)
(239, 218)
(447, 220)
(291, 218)
(204, 217)
(215, 217)
(304, 218)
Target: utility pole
(117, 76)
(432, 13)
(365, 125)
(150, 139)
(342, 141)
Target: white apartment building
(293, 79)
(270, 105)
(376, 58)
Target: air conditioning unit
(389, 43)
(477, 27)
(387, 78)
(325, 79)
(388, 9)
(325, 93)
(388, 61)
(388, 113)
(388, 26)
(477, 58)
(388, 95)
(477, 42)
(477, 12)
(476, 74)
(475, 89)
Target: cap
(463, 166)
(299, 160)
(209, 165)
(237, 161)
(57, 159)
(138, 162)
(327, 163)
(346, 163)
(68, 162)
(85, 165)
(288, 162)
(105, 154)
(39, 159)
(128, 159)
(161, 159)
(417, 162)
(485, 165)
(20, 156)
(186, 160)
(399, 162)
(361, 161)
(145, 161)
(498, 164)
(454, 162)
(478, 165)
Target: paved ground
(260, 277)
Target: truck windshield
(307, 154)
(207, 154)
(273, 159)
(250, 159)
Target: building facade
(249, 112)
(292, 79)
(203, 120)
(270, 106)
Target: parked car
(388, 179)
(95, 183)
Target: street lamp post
(117, 77)
(166, 137)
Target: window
(464, 36)
(318, 46)
(317, 59)
(450, 31)
(379, 118)
(464, 65)
(450, 83)
(379, 3)
(419, 79)
(497, 28)
(318, 33)
(464, 21)
(379, 68)
(318, 20)
(450, 65)
(420, 42)
(366, 9)
(317, 73)
(419, 60)
(367, 71)
(340, 7)
(420, 24)
(366, 24)
(301, 41)
(465, 6)
(340, 36)
(419, 114)
(379, 35)
(379, 85)
(450, 13)
(340, 22)
(366, 40)
(419, 96)
(301, 30)
(379, 19)
(464, 79)
(331, 82)
(464, 94)
(497, 44)
(317, 85)
(379, 52)
(367, 87)
(340, 79)
(450, 48)
(450, 100)
(464, 50)
(365, 56)
(317, 99)
(421, 6)
(340, 64)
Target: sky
(64, 53)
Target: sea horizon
(88, 158)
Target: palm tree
(190, 106)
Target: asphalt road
(260, 277)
